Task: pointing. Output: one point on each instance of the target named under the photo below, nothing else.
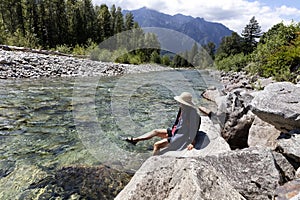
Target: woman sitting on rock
(183, 131)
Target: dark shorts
(169, 132)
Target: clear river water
(52, 123)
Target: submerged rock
(71, 182)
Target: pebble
(18, 64)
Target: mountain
(197, 28)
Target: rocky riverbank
(20, 64)
(260, 121)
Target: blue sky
(278, 3)
(234, 14)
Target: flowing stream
(51, 123)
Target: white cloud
(234, 14)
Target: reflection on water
(50, 123)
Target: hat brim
(179, 99)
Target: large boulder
(290, 147)
(235, 118)
(279, 105)
(262, 133)
(252, 171)
(162, 178)
(249, 173)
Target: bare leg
(158, 145)
(162, 133)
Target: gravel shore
(18, 64)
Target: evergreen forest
(78, 27)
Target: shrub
(94, 54)
(79, 50)
(105, 55)
(233, 63)
(166, 60)
(134, 59)
(18, 39)
(155, 58)
(63, 49)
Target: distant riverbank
(20, 64)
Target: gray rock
(252, 171)
(6, 167)
(235, 118)
(291, 147)
(162, 178)
(211, 94)
(244, 174)
(297, 175)
(17, 64)
(261, 83)
(286, 170)
(263, 134)
(279, 105)
(289, 191)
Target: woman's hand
(190, 146)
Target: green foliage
(134, 59)
(251, 32)
(165, 60)
(278, 54)
(94, 54)
(155, 58)
(129, 22)
(230, 45)
(63, 49)
(210, 49)
(53, 23)
(19, 39)
(105, 55)
(232, 63)
(79, 50)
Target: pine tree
(251, 32)
(119, 21)
(210, 49)
(129, 21)
(89, 18)
(104, 18)
(113, 14)
(230, 45)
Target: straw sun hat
(185, 98)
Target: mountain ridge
(197, 28)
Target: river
(52, 123)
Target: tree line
(275, 53)
(49, 23)
(77, 26)
(74, 26)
